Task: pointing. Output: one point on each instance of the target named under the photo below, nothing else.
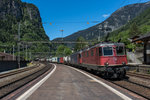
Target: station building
(6, 57)
(145, 39)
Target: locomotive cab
(113, 58)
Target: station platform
(66, 83)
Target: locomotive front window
(108, 51)
(120, 50)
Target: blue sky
(73, 15)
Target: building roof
(135, 37)
(143, 38)
(5, 54)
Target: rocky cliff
(14, 11)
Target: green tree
(63, 51)
(144, 29)
(60, 50)
(134, 30)
(67, 51)
(79, 45)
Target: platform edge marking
(36, 86)
(105, 85)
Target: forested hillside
(13, 12)
(138, 26)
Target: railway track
(134, 87)
(144, 76)
(3, 75)
(14, 85)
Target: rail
(136, 88)
(140, 75)
(12, 86)
(13, 72)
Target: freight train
(107, 59)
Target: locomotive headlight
(106, 64)
(123, 63)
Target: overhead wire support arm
(55, 42)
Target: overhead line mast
(19, 45)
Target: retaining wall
(10, 65)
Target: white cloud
(105, 15)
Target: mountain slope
(115, 21)
(142, 22)
(13, 12)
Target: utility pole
(13, 52)
(105, 27)
(26, 53)
(99, 37)
(62, 34)
(23, 50)
(30, 56)
(19, 45)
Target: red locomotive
(108, 59)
